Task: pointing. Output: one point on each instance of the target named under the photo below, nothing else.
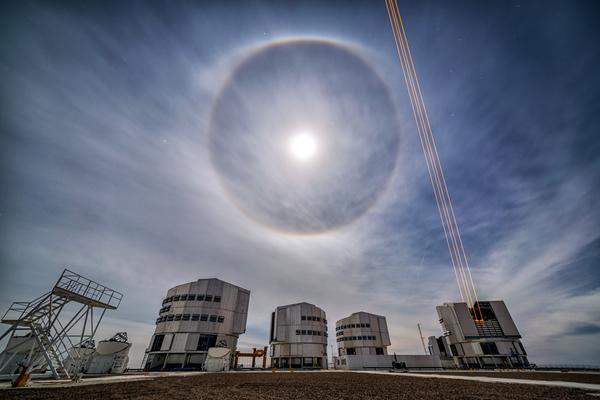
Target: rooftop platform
(77, 288)
(69, 287)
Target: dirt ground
(297, 385)
(541, 376)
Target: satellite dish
(218, 352)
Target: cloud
(584, 329)
(106, 165)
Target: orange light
(437, 179)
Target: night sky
(144, 145)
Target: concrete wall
(358, 362)
(419, 361)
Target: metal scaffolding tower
(59, 324)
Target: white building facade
(194, 317)
(362, 333)
(298, 337)
(491, 341)
(363, 339)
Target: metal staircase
(30, 312)
(59, 322)
(48, 353)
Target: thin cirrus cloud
(106, 165)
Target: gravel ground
(297, 385)
(540, 376)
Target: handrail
(20, 309)
(71, 282)
(77, 284)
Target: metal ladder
(49, 352)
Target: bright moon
(303, 146)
